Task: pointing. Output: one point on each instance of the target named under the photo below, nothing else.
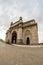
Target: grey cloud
(29, 9)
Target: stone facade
(22, 32)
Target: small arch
(27, 36)
(14, 37)
(28, 41)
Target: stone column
(19, 39)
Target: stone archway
(14, 37)
(27, 37)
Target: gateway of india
(22, 32)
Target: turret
(20, 19)
(11, 23)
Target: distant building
(22, 32)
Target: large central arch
(14, 37)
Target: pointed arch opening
(14, 37)
(28, 41)
(27, 37)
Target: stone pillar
(20, 34)
(8, 37)
(19, 37)
(34, 35)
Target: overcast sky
(11, 10)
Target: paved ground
(21, 55)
